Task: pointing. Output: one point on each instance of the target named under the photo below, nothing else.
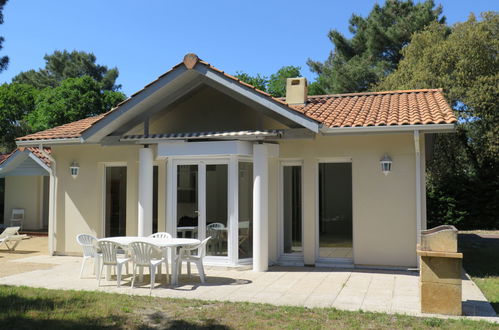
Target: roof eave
(428, 128)
(48, 142)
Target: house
(24, 184)
(330, 180)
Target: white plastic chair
(160, 235)
(215, 225)
(186, 255)
(109, 251)
(215, 231)
(89, 245)
(11, 238)
(163, 235)
(17, 218)
(145, 255)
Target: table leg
(174, 275)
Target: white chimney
(296, 90)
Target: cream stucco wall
(25, 192)
(80, 200)
(384, 207)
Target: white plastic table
(161, 243)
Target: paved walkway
(379, 291)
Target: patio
(345, 289)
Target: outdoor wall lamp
(74, 169)
(386, 164)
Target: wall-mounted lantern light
(386, 164)
(74, 169)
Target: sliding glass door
(335, 210)
(202, 203)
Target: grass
(481, 261)
(30, 308)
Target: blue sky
(145, 38)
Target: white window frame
(288, 257)
(201, 162)
(240, 159)
(104, 166)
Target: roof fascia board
(30, 143)
(256, 97)
(39, 162)
(13, 161)
(122, 113)
(430, 128)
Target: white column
(417, 152)
(260, 207)
(418, 186)
(145, 192)
(52, 225)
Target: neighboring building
(296, 180)
(24, 184)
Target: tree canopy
(374, 51)
(257, 81)
(275, 85)
(73, 99)
(72, 86)
(63, 64)
(16, 102)
(463, 174)
(4, 60)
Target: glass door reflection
(187, 201)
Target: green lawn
(481, 262)
(29, 308)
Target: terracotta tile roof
(37, 153)
(34, 150)
(411, 107)
(408, 107)
(3, 157)
(67, 131)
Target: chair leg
(179, 267)
(82, 266)
(141, 274)
(134, 269)
(167, 270)
(97, 266)
(118, 273)
(152, 272)
(101, 269)
(200, 267)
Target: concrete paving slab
(389, 292)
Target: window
(115, 221)
(292, 209)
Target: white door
(201, 203)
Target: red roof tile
(35, 151)
(408, 107)
(67, 131)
